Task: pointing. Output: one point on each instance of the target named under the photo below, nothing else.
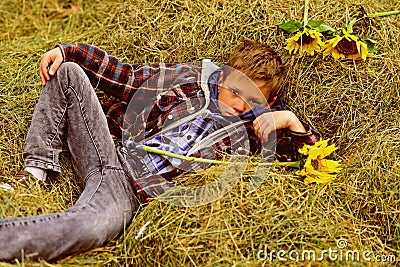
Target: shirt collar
(213, 83)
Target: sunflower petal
(316, 168)
(306, 41)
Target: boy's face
(238, 93)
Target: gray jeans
(69, 112)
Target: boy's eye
(235, 92)
(255, 102)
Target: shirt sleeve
(283, 144)
(107, 72)
(288, 142)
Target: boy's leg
(69, 109)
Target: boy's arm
(105, 72)
(271, 121)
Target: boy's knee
(70, 74)
(71, 70)
(69, 66)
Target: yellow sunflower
(316, 168)
(346, 46)
(307, 40)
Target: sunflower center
(305, 39)
(347, 47)
(315, 164)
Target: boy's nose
(240, 106)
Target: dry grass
(355, 104)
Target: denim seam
(55, 134)
(90, 174)
(114, 168)
(97, 188)
(42, 164)
(82, 109)
(57, 126)
(45, 217)
(95, 171)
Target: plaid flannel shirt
(148, 98)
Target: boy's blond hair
(259, 61)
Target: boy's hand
(271, 121)
(49, 64)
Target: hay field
(356, 104)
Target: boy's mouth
(229, 113)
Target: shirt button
(158, 97)
(170, 117)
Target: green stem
(383, 14)
(173, 155)
(350, 25)
(305, 18)
(373, 15)
(295, 164)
